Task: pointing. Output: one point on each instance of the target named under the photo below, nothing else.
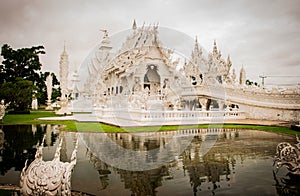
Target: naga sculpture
(48, 177)
(288, 156)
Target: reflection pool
(183, 162)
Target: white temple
(141, 83)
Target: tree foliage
(19, 71)
(19, 93)
(22, 68)
(249, 83)
(22, 63)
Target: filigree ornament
(48, 177)
(288, 156)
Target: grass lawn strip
(100, 127)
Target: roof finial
(196, 44)
(215, 49)
(134, 25)
(64, 45)
(105, 33)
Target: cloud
(261, 35)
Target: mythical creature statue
(288, 156)
(48, 177)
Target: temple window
(152, 79)
(194, 82)
(219, 79)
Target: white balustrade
(191, 114)
(166, 117)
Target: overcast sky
(264, 35)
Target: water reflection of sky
(239, 162)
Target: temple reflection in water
(216, 161)
(208, 169)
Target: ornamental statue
(48, 177)
(49, 91)
(289, 156)
(2, 109)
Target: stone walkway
(259, 122)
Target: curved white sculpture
(49, 91)
(48, 177)
(288, 156)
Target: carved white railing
(165, 117)
(191, 114)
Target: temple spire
(228, 58)
(105, 40)
(196, 44)
(228, 64)
(65, 46)
(242, 76)
(105, 34)
(64, 71)
(215, 48)
(64, 52)
(134, 25)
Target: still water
(184, 162)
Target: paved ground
(259, 122)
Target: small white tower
(242, 76)
(63, 73)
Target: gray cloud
(264, 35)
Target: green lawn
(27, 118)
(32, 119)
(99, 127)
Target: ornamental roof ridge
(146, 35)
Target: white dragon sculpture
(288, 156)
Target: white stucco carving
(142, 75)
(48, 177)
(288, 155)
(49, 91)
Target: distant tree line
(249, 83)
(21, 78)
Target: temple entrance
(152, 80)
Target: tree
(21, 63)
(249, 83)
(19, 71)
(19, 93)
